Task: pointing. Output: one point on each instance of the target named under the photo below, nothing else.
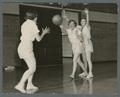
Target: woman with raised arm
(74, 35)
(87, 41)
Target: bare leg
(30, 80)
(30, 84)
(84, 59)
(31, 63)
(88, 56)
(75, 58)
(83, 68)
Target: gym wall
(104, 35)
(103, 32)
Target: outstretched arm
(65, 18)
(87, 17)
(44, 32)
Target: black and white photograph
(60, 48)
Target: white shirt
(72, 35)
(29, 30)
(86, 33)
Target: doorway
(49, 50)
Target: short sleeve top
(72, 35)
(29, 30)
(86, 33)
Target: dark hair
(72, 21)
(31, 14)
(83, 18)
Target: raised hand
(46, 30)
(86, 10)
(64, 16)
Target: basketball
(57, 20)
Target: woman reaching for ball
(74, 35)
(87, 41)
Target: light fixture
(51, 3)
(85, 3)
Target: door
(49, 50)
